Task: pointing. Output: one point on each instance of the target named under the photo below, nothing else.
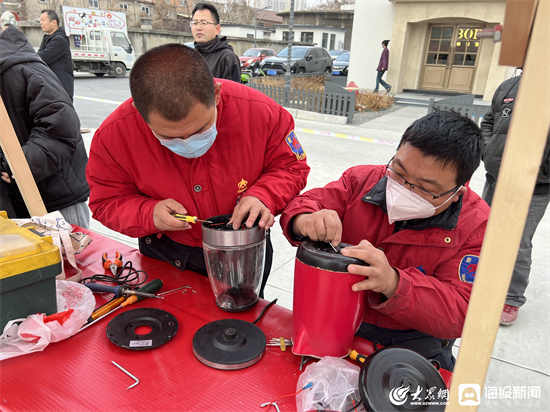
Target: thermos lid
(323, 256)
(218, 233)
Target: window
(306, 37)
(325, 40)
(94, 4)
(42, 1)
(332, 41)
(146, 10)
(285, 36)
(123, 6)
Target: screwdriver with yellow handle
(356, 356)
(190, 219)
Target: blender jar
(235, 261)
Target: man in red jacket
(190, 144)
(419, 227)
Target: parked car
(340, 65)
(251, 57)
(304, 59)
(190, 44)
(335, 53)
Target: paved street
(520, 357)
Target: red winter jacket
(436, 257)
(255, 154)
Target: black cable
(263, 311)
(131, 277)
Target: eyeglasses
(400, 179)
(202, 23)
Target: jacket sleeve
(54, 50)
(115, 199)
(232, 67)
(56, 129)
(436, 304)
(334, 196)
(285, 170)
(488, 121)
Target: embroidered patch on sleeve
(468, 267)
(295, 146)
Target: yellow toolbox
(29, 264)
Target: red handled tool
(113, 266)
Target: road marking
(348, 136)
(93, 99)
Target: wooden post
(19, 166)
(518, 173)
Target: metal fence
(334, 100)
(463, 105)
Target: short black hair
(52, 15)
(385, 42)
(207, 6)
(450, 138)
(170, 79)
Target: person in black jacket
(219, 55)
(47, 127)
(55, 50)
(494, 130)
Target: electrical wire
(263, 311)
(132, 277)
(309, 385)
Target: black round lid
(399, 379)
(323, 256)
(122, 329)
(229, 344)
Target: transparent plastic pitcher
(235, 261)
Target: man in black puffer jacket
(494, 129)
(48, 129)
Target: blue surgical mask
(194, 146)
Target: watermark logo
(398, 396)
(469, 394)
(420, 396)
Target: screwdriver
(120, 290)
(152, 287)
(190, 219)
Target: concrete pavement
(518, 376)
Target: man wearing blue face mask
(419, 227)
(190, 144)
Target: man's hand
(5, 177)
(380, 276)
(163, 219)
(253, 207)
(323, 225)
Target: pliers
(113, 266)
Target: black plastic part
(121, 330)
(391, 368)
(229, 344)
(322, 255)
(220, 222)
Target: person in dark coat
(383, 67)
(494, 129)
(218, 53)
(55, 50)
(47, 127)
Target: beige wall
(410, 27)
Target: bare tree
(325, 5)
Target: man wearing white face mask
(417, 224)
(190, 144)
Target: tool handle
(152, 287)
(108, 307)
(185, 218)
(97, 287)
(118, 259)
(106, 261)
(356, 356)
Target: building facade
(433, 45)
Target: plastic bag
(335, 386)
(69, 243)
(75, 303)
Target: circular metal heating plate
(122, 329)
(391, 368)
(229, 344)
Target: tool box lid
(23, 251)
